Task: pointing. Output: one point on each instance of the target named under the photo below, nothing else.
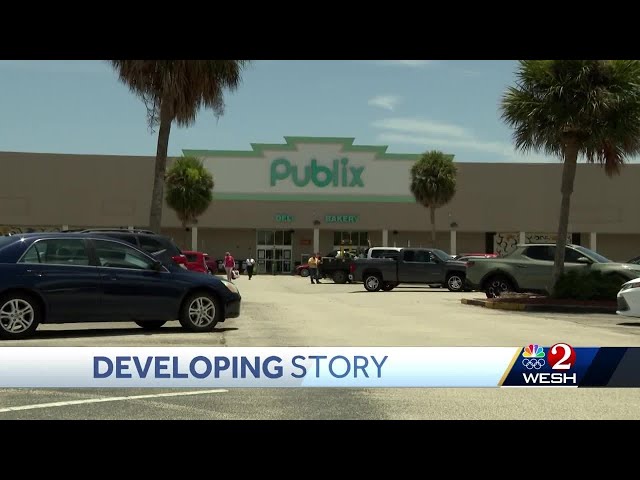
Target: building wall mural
(505, 243)
(14, 229)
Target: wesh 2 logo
(560, 357)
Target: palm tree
(572, 108)
(189, 189)
(433, 183)
(174, 91)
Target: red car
(303, 270)
(198, 262)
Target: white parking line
(108, 399)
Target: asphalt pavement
(289, 311)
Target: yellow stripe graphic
(511, 364)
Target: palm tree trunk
(432, 214)
(568, 178)
(157, 197)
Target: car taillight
(352, 268)
(179, 259)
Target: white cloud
(388, 102)
(413, 125)
(430, 134)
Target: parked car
(528, 268)
(629, 299)
(162, 247)
(464, 256)
(336, 265)
(196, 261)
(87, 277)
(212, 264)
(412, 265)
(303, 270)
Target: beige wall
(95, 190)
(617, 247)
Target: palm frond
(189, 189)
(183, 87)
(433, 179)
(594, 103)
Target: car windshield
(441, 255)
(590, 253)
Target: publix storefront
(282, 202)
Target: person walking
(229, 265)
(313, 269)
(250, 264)
(318, 266)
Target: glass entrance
(274, 248)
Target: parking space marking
(108, 399)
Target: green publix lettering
(341, 175)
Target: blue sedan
(71, 278)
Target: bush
(588, 286)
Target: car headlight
(630, 286)
(231, 286)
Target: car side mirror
(584, 260)
(157, 266)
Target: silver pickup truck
(410, 265)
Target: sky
(79, 106)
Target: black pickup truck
(411, 265)
(336, 266)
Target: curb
(522, 307)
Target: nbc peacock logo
(533, 357)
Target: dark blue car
(84, 277)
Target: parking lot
(289, 311)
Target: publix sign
(339, 174)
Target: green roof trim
(258, 149)
(307, 197)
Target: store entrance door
(274, 249)
(275, 260)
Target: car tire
(388, 286)
(372, 283)
(151, 324)
(304, 272)
(455, 282)
(340, 277)
(201, 312)
(498, 284)
(20, 315)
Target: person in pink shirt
(229, 265)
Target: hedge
(588, 286)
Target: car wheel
(388, 286)
(304, 272)
(20, 315)
(200, 312)
(151, 324)
(372, 283)
(340, 277)
(498, 284)
(455, 282)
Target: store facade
(282, 202)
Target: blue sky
(409, 105)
